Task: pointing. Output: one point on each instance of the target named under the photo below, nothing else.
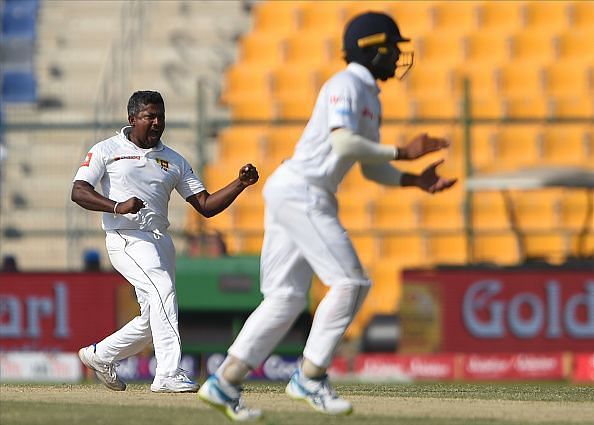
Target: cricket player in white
(137, 173)
(302, 232)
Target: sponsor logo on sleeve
(87, 160)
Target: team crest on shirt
(87, 160)
(163, 163)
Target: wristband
(114, 208)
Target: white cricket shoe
(178, 383)
(318, 393)
(228, 400)
(105, 372)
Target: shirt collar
(125, 131)
(364, 75)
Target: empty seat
(279, 17)
(576, 45)
(536, 45)
(582, 14)
(244, 141)
(449, 248)
(520, 80)
(409, 249)
(483, 146)
(327, 17)
(489, 211)
(397, 210)
(458, 16)
(497, 247)
(413, 17)
(486, 48)
(442, 211)
(355, 213)
(549, 15)
(518, 145)
(311, 48)
(264, 48)
(566, 144)
(430, 81)
(440, 47)
(567, 79)
(281, 142)
(297, 108)
(288, 80)
(574, 209)
(248, 212)
(575, 107)
(501, 15)
(19, 87)
(553, 247)
(19, 19)
(537, 209)
(366, 245)
(246, 81)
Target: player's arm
(387, 175)
(347, 144)
(85, 195)
(211, 204)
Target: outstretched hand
(422, 145)
(430, 182)
(248, 175)
(131, 206)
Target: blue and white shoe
(318, 393)
(178, 383)
(228, 400)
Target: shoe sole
(224, 410)
(313, 405)
(167, 390)
(84, 361)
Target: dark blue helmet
(371, 39)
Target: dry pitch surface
(374, 404)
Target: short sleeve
(189, 184)
(342, 104)
(92, 167)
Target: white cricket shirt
(125, 170)
(350, 100)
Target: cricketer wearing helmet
(303, 234)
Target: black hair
(143, 98)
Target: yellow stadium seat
(311, 48)
(548, 15)
(288, 80)
(354, 212)
(582, 14)
(574, 208)
(409, 249)
(500, 15)
(278, 16)
(537, 209)
(489, 211)
(436, 107)
(483, 79)
(549, 246)
(356, 7)
(576, 45)
(244, 242)
(430, 81)
(518, 145)
(249, 211)
(366, 245)
(483, 48)
(567, 79)
(442, 48)
(263, 48)
(253, 108)
(536, 45)
(499, 248)
(565, 144)
(245, 141)
(443, 211)
(583, 245)
(246, 81)
(487, 107)
(397, 210)
(413, 17)
(448, 248)
(328, 17)
(296, 108)
(536, 107)
(457, 16)
(581, 107)
(483, 146)
(223, 222)
(395, 103)
(281, 142)
(520, 80)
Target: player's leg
(327, 248)
(285, 278)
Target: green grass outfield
(375, 404)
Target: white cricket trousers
(147, 261)
(302, 236)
